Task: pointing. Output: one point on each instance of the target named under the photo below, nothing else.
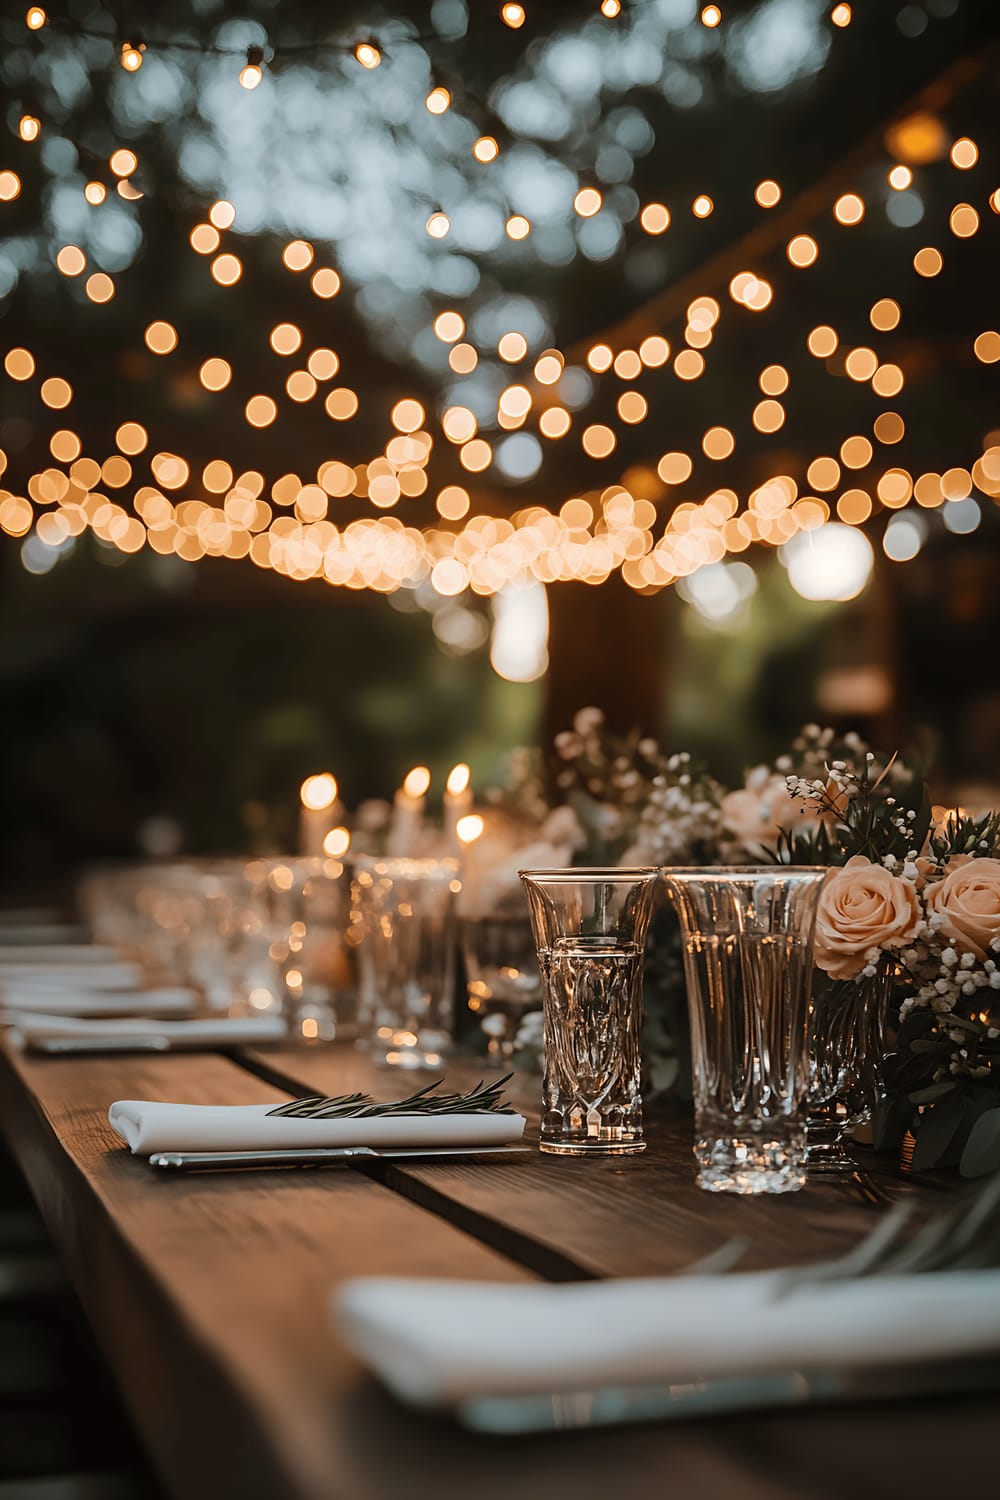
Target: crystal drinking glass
(406, 957)
(748, 935)
(501, 973)
(590, 931)
(846, 1047)
(298, 922)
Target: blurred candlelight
(457, 800)
(408, 812)
(337, 843)
(318, 796)
(469, 829)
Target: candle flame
(416, 782)
(458, 779)
(318, 791)
(337, 843)
(469, 828)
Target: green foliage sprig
(484, 1099)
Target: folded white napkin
(58, 1000)
(149, 1126)
(48, 954)
(35, 1030)
(436, 1343)
(118, 975)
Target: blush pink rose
(862, 906)
(968, 901)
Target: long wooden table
(209, 1295)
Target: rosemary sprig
(485, 1098)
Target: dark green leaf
(940, 1127)
(982, 1149)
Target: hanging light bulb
(131, 56)
(252, 72)
(35, 18)
(367, 54)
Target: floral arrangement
(917, 902)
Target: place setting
(500, 853)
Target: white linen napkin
(117, 975)
(437, 1343)
(48, 954)
(58, 1000)
(35, 1030)
(149, 1126)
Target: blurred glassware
(590, 931)
(295, 927)
(846, 1047)
(502, 979)
(748, 936)
(405, 910)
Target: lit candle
(457, 800)
(319, 813)
(408, 812)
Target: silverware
(656, 1403)
(214, 1160)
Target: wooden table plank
(208, 1294)
(604, 1216)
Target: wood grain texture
(209, 1297)
(603, 1216)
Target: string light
(512, 16)
(10, 186)
(35, 18)
(517, 227)
(587, 202)
(611, 8)
(702, 206)
(368, 55)
(655, 218)
(900, 177)
(841, 15)
(438, 101)
(29, 128)
(131, 56)
(711, 16)
(438, 225)
(767, 193)
(252, 72)
(485, 149)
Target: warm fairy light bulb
(35, 18)
(252, 72)
(512, 16)
(964, 153)
(438, 226)
(517, 227)
(849, 209)
(469, 828)
(900, 177)
(655, 218)
(95, 192)
(841, 15)
(337, 843)
(611, 8)
(123, 162)
(222, 214)
(438, 101)
(416, 782)
(319, 791)
(711, 16)
(587, 202)
(28, 128)
(767, 193)
(131, 56)
(485, 149)
(368, 55)
(458, 779)
(702, 206)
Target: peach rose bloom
(758, 813)
(862, 906)
(968, 898)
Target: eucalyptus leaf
(982, 1149)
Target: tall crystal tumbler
(406, 957)
(590, 931)
(748, 935)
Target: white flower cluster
(947, 981)
(680, 818)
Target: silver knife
(212, 1160)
